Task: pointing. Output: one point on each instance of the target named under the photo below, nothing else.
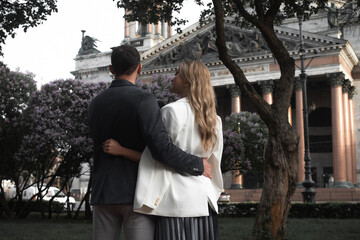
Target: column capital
(336, 79)
(352, 91)
(297, 85)
(266, 86)
(346, 84)
(234, 90)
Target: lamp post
(308, 184)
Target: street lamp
(308, 184)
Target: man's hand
(112, 147)
(207, 168)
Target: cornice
(93, 55)
(91, 70)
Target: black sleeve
(158, 142)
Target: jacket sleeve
(158, 142)
(215, 161)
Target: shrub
(339, 210)
(160, 86)
(23, 208)
(245, 137)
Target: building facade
(333, 70)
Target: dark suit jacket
(131, 116)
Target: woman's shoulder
(177, 111)
(178, 106)
(219, 120)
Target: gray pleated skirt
(187, 228)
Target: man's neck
(131, 78)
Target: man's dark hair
(125, 59)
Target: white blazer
(164, 192)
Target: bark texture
(280, 176)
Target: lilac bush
(245, 137)
(15, 91)
(58, 129)
(160, 86)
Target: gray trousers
(110, 220)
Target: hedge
(23, 208)
(297, 210)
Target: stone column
(164, 29)
(300, 131)
(352, 135)
(267, 89)
(149, 29)
(169, 30)
(132, 29)
(157, 29)
(347, 138)
(337, 125)
(237, 178)
(235, 99)
(127, 28)
(290, 115)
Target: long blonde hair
(202, 100)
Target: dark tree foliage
(54, 139)
(22, 13)
(58, 123)
(15, 90)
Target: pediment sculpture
(202, 47)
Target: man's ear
(112, 70)
(139, 69)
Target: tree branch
(262, 106)
(253, 20)
(273, 10)
(259, 9)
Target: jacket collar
(120, 83)
(184, 99)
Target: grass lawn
(297, 229)
(230, 228)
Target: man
(131, 116)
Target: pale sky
(48, 50)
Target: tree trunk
(86, 199)
(88, 214)
(49, 209)
(281, 149)
(280, 177)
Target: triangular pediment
(198, 42)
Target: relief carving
(202, 47)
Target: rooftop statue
(88, 45)
(333, 15)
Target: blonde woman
(185, 206)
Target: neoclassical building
(332, 67)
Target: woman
(186, 206)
